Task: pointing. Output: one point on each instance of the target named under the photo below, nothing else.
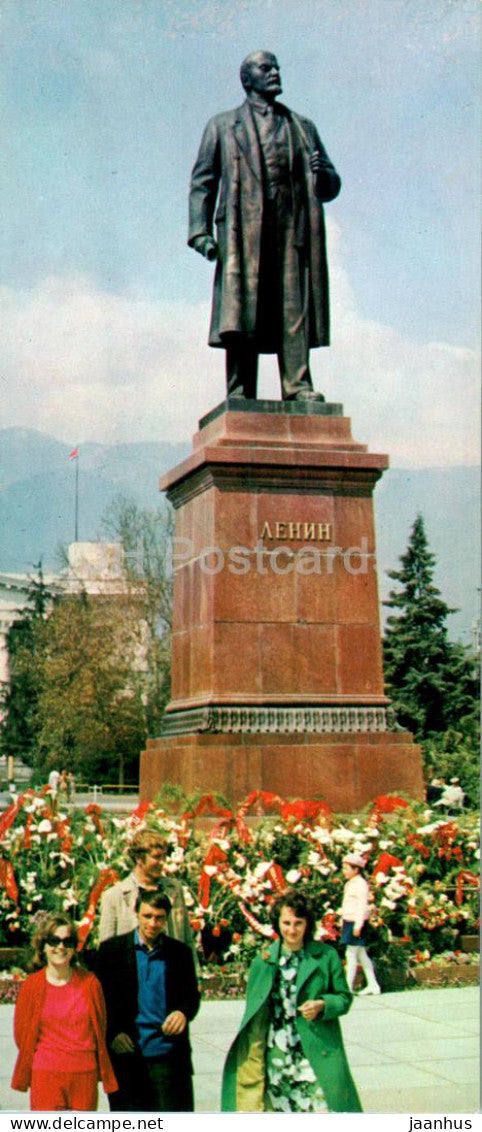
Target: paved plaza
(411, 1052)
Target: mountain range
(37, 508)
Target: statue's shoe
(307, 395)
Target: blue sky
(106, 309)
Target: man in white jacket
(354, 913)
(117, 909)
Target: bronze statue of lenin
(261, 176)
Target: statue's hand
(315, 161)
(206, 246)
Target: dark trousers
(242, 368)
(152, 1084)
(283, 309)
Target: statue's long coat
(228, 173)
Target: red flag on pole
(73, 454)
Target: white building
(96, 567)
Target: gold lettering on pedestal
(296, 531)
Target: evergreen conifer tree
(430, 679)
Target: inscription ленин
(293, 531)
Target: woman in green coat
(288, 1055)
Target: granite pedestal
(277, 677)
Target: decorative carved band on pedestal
(279, 720)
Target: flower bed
(223, 982)
(10, 983)
(451, 968)
(423, 872)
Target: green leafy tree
(90, 715)
(18, 698)
(431, 680)
(77, 694)
(146, 537)
(91, 674)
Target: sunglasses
(56, 941)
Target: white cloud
(82, 364)
(417, 401)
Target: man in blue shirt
(151, 994)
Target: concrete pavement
(412, 1052)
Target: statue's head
(260, 73)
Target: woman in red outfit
(59, 1026)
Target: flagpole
(74, 455)
(77, 499)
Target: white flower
(342, 834)
(322, 835)
(44, 826)
(388, 903)
(430, 828)
(35, 804)
(260, 870)
(210, 870)
(293, 876)
(281, 1041)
